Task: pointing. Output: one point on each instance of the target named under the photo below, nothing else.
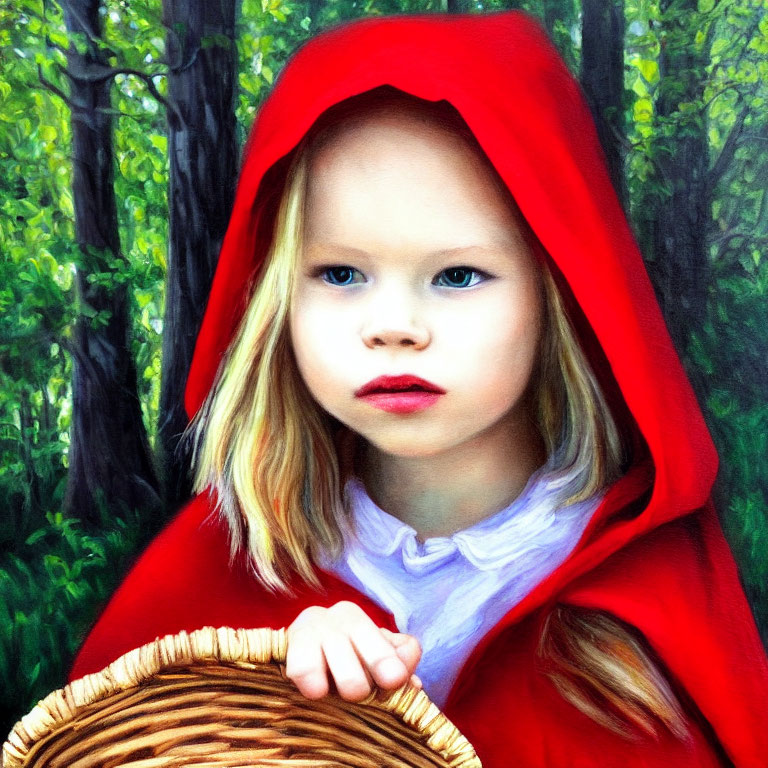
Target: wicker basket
(219, 697)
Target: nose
(393, 322)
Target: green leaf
(649, 69)
(159, 142)
(34, 672)
(643, 111)
(59, 38)
(87, 310)
(36, 536)
(640, 88)
(718, 46)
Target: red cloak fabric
(660, 564)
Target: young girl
(440, 427)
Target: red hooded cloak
(653, 554)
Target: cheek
(317, 336)
(499, 344)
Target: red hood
(493, 69)
(676, 583)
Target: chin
(409, 444)
(410, 450)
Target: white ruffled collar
(533, 520)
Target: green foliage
(36, 242)
(53, 577)
(731, 348)
(51, 589)
(268, 31)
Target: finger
(305, 664)
(407, 648)
(375, 651)
(416, 682)
(397, 638)
(377, 654)
(352, 682)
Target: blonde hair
(269, 452)
(259, 440)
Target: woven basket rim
(224, 645)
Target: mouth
(400, 394)
(389, 385)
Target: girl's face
(414, 263)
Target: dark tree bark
(203, 152)
(33, 503)
(676, 231)
(313, 11)
(46, 415)
(602, 78)
(457, 6)
(109, 455)
(551, 13)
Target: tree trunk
(456, 6)
(203, 151)
(602, 78)
(109, 455)
(676, 232)
(551, 13)
(32, 511)
(313, 11)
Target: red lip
(391, 384)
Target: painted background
(121, 128)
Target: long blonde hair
(269, 452)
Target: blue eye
(341, 275)
(459, 277)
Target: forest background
(121, 127)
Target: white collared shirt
(449, 591)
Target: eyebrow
(457, 250)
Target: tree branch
(138, 118)
(622, 139)
(727, 87)
(630, 146)
(98, 74)
(180, 65)
(184, 66)
(761, 214)
(753, 137)
(727, 236)
(49, 86)
(50, 44)
(728, 150)
(749, 241)
(152, 88)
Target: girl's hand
(342, 640)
